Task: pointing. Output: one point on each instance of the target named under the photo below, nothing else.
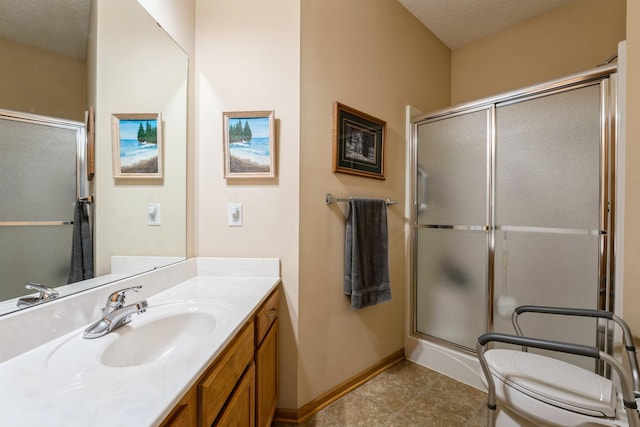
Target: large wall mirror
(59, 58)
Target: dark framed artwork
(358, 142)
(249, 144)
(137, 145)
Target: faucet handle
(116, 299)
(45, 291)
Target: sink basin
(163, 332)
(158, 339)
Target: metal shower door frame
(48, 215)
(79, 128)
(606, 78)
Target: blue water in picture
(132, 152)
(256, 150)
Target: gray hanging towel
(81, 267)
(366, 253)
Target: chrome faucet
(46, 294)
(116, 299)
(116, 314)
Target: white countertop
(37, 389)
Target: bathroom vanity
(241, 385)
(204, 353)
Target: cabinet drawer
(266, 315)
(218, 383)
(240, 411)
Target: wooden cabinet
(185, 413)
(266, 315)
(240, 388)
(240, 410)
(266, 359)
(267, 377)
(218, 382)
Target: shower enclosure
(513, 205)
(42, 174)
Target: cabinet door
(218, 383)
(267, 377)
(185, 413)
(240, 409)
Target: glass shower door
(38, 188)
(514, 205)
(451, 229)
(547, 211)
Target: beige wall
(45, 83)
(567, 40)
(371, 55)
(631, 312)
(248, 59)
(129, 48)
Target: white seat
(528, 389)
(552, 381)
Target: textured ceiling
(56, 25)
(459, 22)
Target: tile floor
(405, 395)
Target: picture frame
(358, 143)
(91, 145)
(249, 144)
(137, 145)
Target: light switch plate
(235, 215)
(154, 216)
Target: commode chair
(527, 389)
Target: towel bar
(330, 199)
(33, 223)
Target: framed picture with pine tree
(249, 144)
(137, 145)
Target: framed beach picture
(358, 142)
(137, 145)
(249, 144)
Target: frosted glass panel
(550, 269)
(547, 181)
(37, 183)
(26, 255)
(451, 291)
(452, 170)
(548, 161)
(37, 172)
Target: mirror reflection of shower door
(451, 231)
(38, 189)
(547, 211)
